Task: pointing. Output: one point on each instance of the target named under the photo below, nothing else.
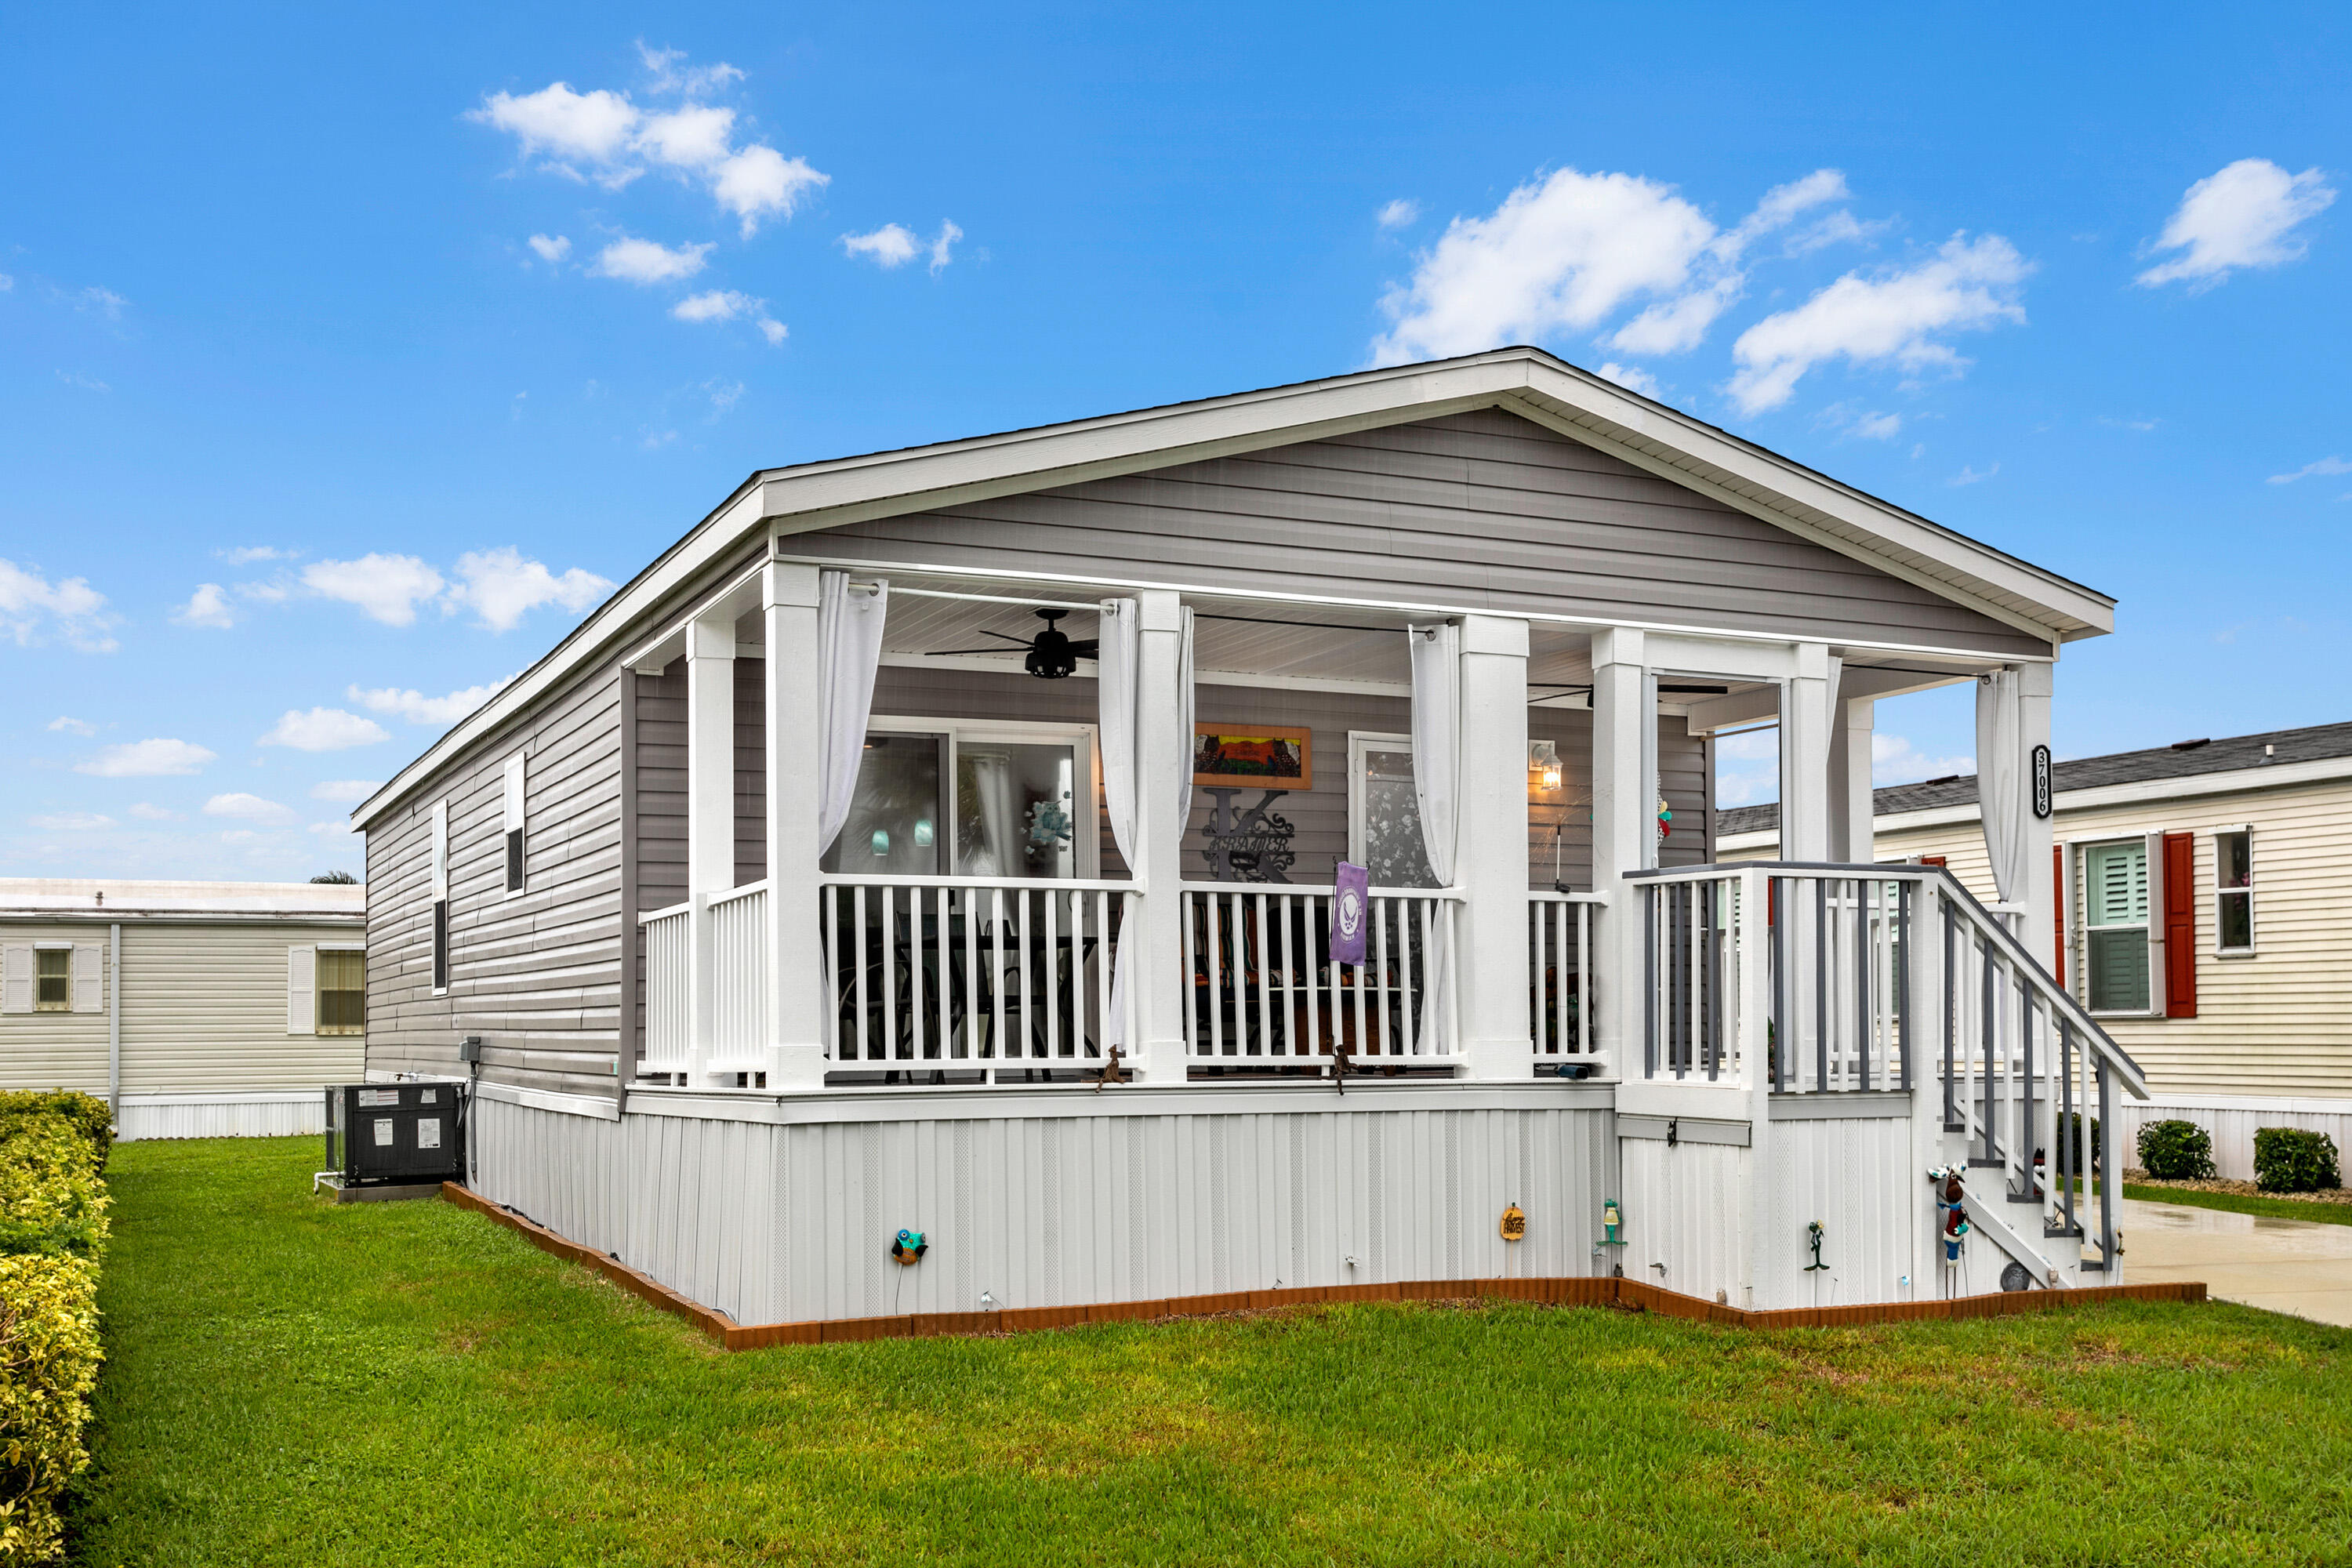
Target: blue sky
(272, 286)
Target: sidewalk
(2280, 1265)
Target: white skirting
(2234, 1121)
(783, 1222)
(273, 1113)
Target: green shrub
(2176, 1152)
(2080, 1168)
(49, 1364)
(88, 1114)
(2291, 1160)
(52, 1200)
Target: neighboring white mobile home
(2196, 913)
(199, 1009)
(960, 840)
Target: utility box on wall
(384, 1134)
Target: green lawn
(295, 1382)
(2240, 1203)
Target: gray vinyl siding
(1319, 814)
(1483, 510)
(750, 770)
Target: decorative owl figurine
(909, 1245)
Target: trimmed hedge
(53, 1204)
(2292, 1160)
(2176, 1152)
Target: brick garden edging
(1561, 1292)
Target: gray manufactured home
(1254, 843)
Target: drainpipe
(114, 1024)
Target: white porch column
(1490, 862)
(2040, 928)
(1624, 834)
(1805, 754)
(710, 805)
(1156, 982)
(796, 988)
(1851, 838)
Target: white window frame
(440, 940)
(40, 946)
(1359, 743)
(1085, 742)
(2253, 942)
(319, 992)
(513, 857)
(2151, 843)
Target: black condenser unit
(382, 1135)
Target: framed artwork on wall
(1261, 756)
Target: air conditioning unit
(395, 1134)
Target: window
(53, 980)
(1019, 801)
(342, 990)
(1384, 813)
(514, 824)
(2233, 891)
(440, 889)
(2115, 926)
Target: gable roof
(1528, 382)
(2271, 748)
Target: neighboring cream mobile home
(949, 840)
(2196, 913)
(200, 1009)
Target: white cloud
(1969, 476)
(6, 282)
(1893, 760)
(333, 827)
(419, 709)
(892, 245)
(726, 305)
(646, 261)
(1630, 377)
(2142, 425)
(105, 301)
(942, 243)
(501, 587)
(1878, 426)
(2325, 465)
(70, 822)
(247, 555)
(83, 379)
(724, 396)
(147, 759)
(552, 249)
(345, 792)
(774, 331)
(2243, 215)
(207, 607)
(1748, 767)
(72, 726)
(602, 135)
(145, 812)
(323, 730)
(1566, 253)
(388, 588)
(1401, 212)
(239, 835)
(248, 808)
(30, 605)
(1895, 316)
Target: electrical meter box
(385, 1135)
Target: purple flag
(1348, 913)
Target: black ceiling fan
(1053, 653)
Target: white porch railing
(1264, 993)
(937, 979)
(1867, 971)
(738, 974)
(669, 989)
(1561, 970)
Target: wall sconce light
(1543, 766)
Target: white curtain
(1436, 777)
(849, 649)
(991, 785)
(1184, 778)
(1115, 667)
(2000, 781)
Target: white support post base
(1625, 829)
(1490, 862)
(796, 983)
(709, 810)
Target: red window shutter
(1933, 860)
(2058, 908)
(2179, 925)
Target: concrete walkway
(2280, 1265)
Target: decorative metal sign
(1515, 1224)
(2040, 767)
(1251, 845)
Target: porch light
(1543, 766)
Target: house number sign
(2042, 783)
